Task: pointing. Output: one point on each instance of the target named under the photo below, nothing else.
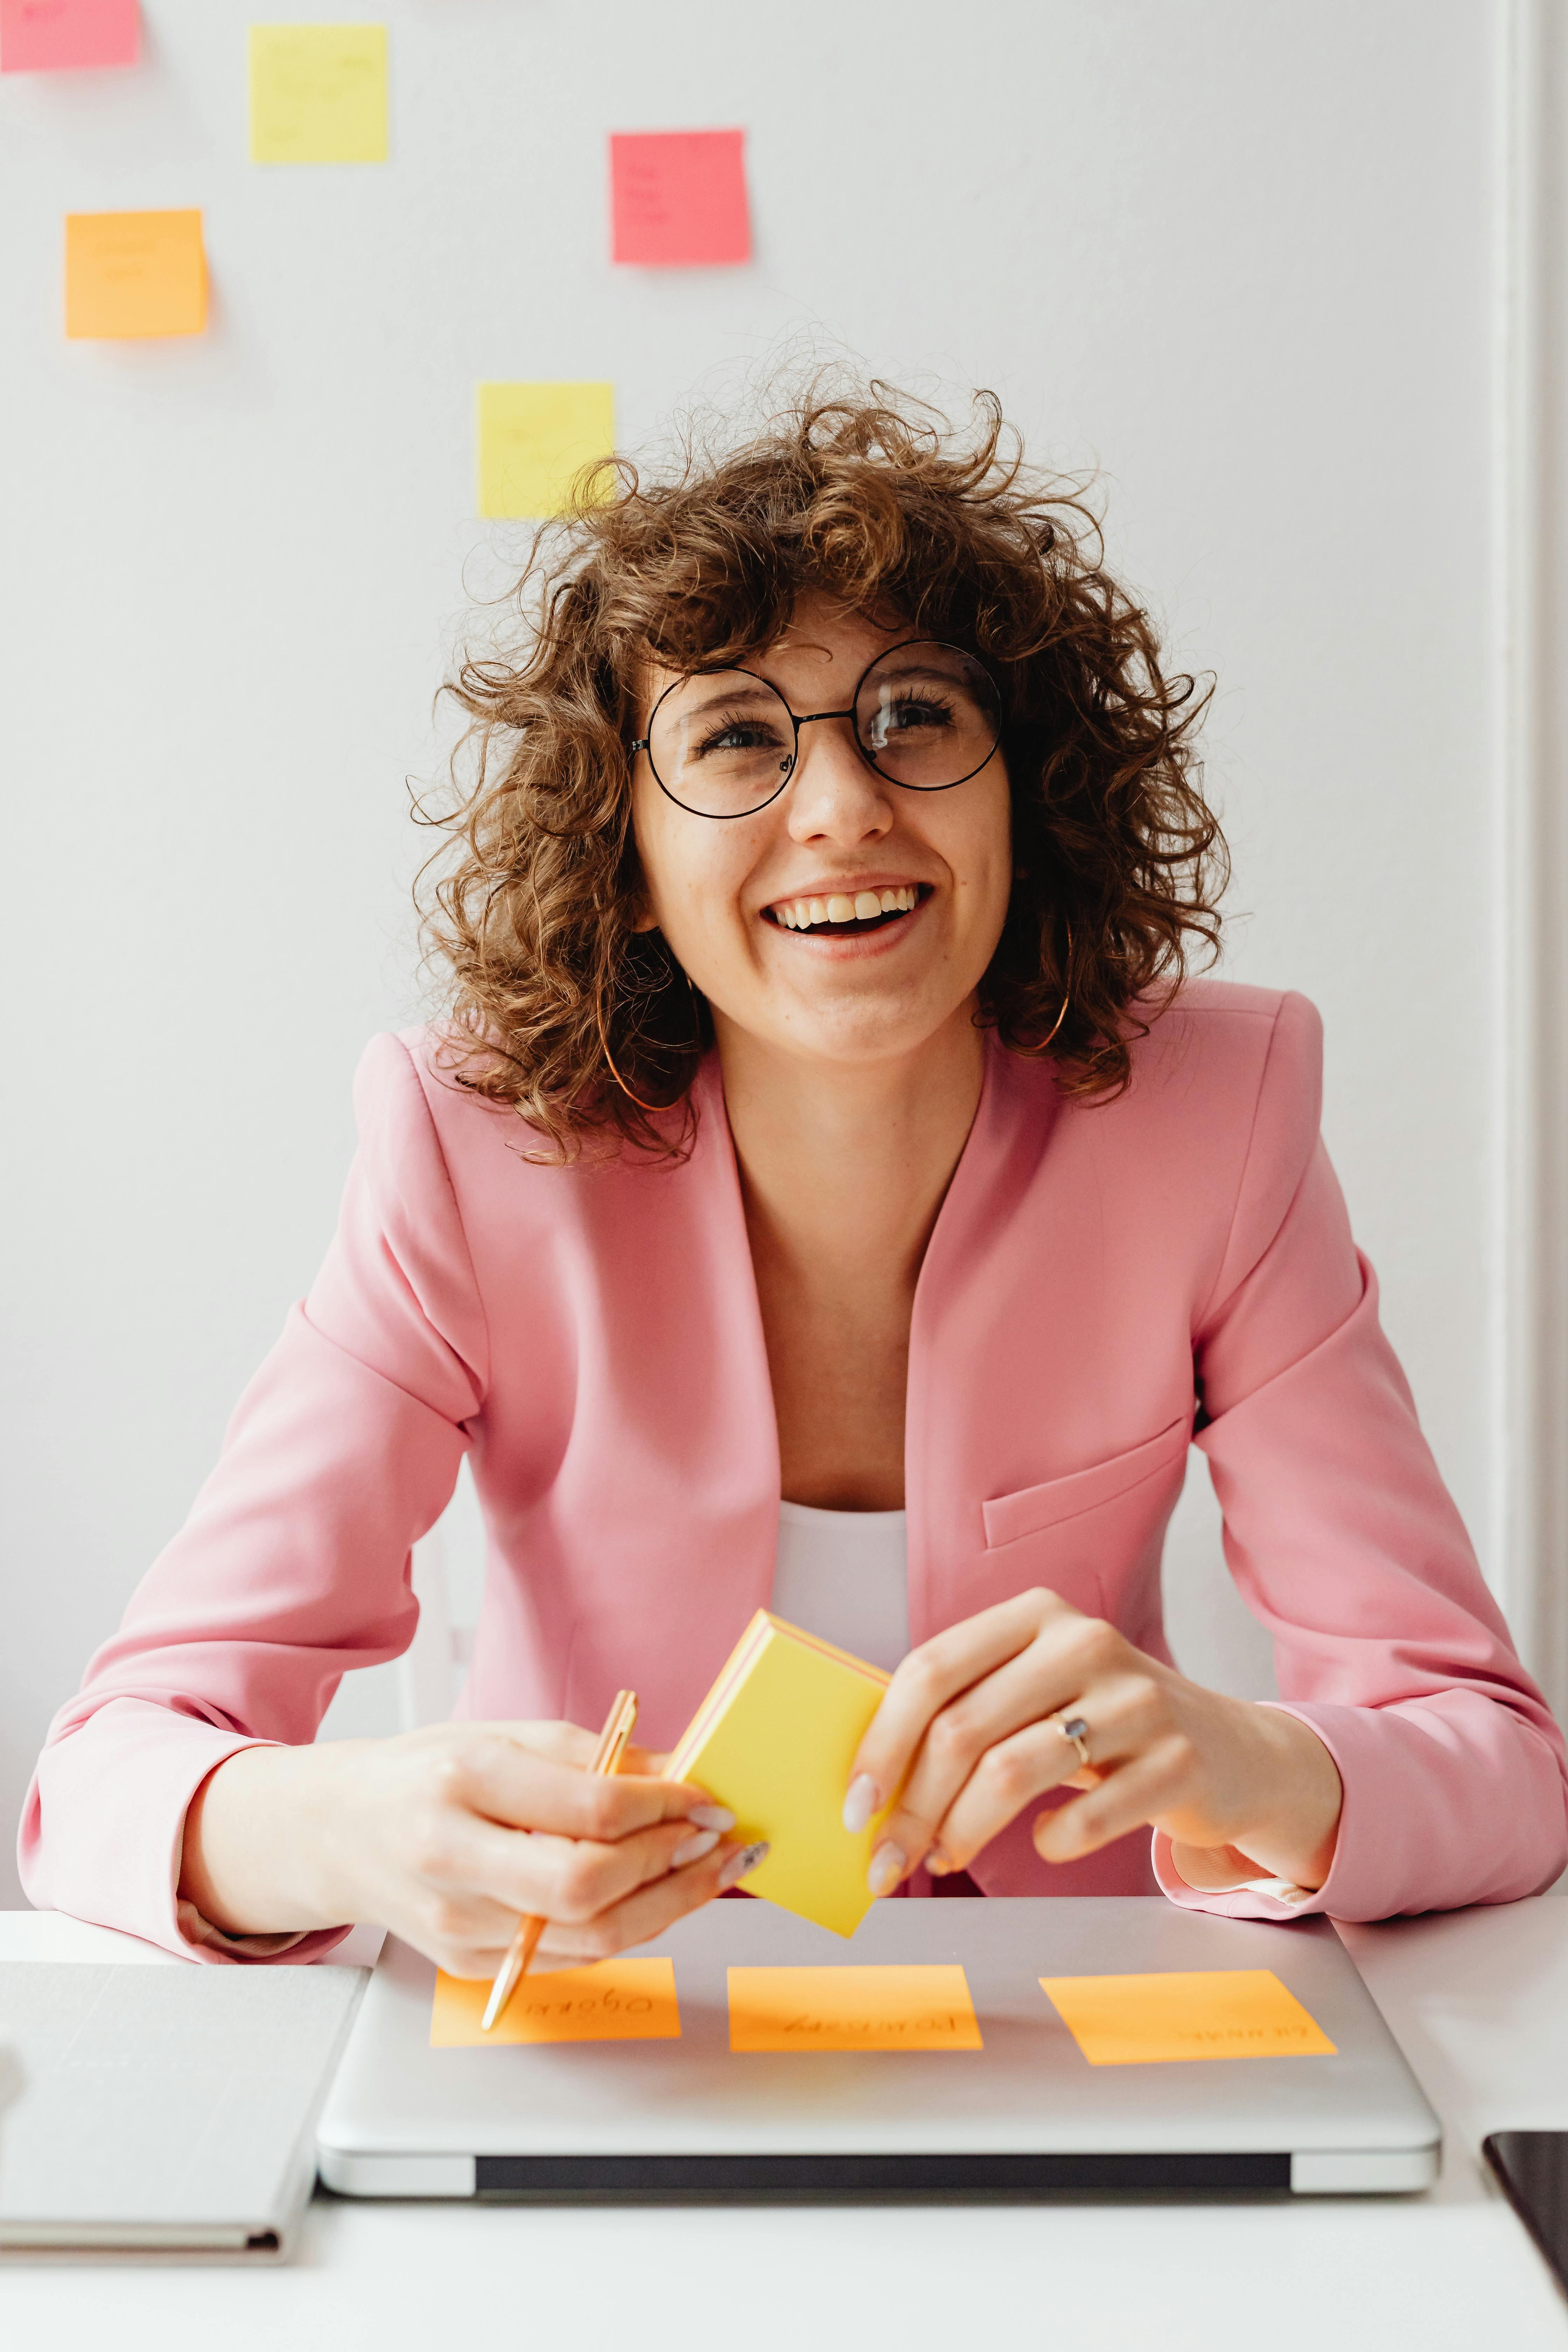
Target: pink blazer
(1102, 1285)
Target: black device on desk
(1533, 2166)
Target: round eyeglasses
(724, 743)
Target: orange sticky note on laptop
(774, 1739)
(133, 273)
(610, 2001)
(1197, 2013)
(887, 2008)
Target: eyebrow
(757, 690)
(922, 669)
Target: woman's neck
(845, 1167)
(843, 1173)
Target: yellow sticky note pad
(317, 93)
(1207, 2013)
(131, 274)
(774, 1739)
(852, 2008)
(613, 2001)
(535, 437)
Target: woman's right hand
(448, 1835)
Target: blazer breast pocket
(1089, 1535)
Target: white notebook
(164, 2109)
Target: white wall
(1240, 251)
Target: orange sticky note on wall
(925, 2008)
(613, 2001)
(1201, 2013)
(130, 274)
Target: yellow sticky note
(613, 2001)
(135, 274)
(1203, 2013)
(852, 2008)
(535, 437)
(775, 1740)
(317, 93)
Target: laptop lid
(1025, 2114)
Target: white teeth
(800, 914)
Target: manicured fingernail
(937, 1863)
(888, 1865)
(694, 1849)
(711, 1817)
(860, 1803)
(741, 1864)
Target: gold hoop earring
(605, 1047)
(1046, 1043)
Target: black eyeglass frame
(809, 718)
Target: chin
(872, 1034)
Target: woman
(825, 1186)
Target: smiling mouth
(845, 916)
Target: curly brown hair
(556, 1003)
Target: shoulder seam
(1203, 1313)
(413, 1072)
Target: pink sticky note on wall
(679, 198)
(42, 36)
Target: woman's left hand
(973, 1719)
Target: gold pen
(611, 1747)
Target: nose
(834, 794)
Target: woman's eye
(739, 735)
(908, 714)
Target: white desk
(1479, 2000)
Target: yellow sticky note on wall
(317, 93)
(1201, 2013)
(611, 2001)
(131, 274)
(535, 437)
(774, 1739)
(916, 2008)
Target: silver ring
(1075, 1731)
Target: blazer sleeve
(294, 1564)
(1344, 1541)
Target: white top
(844, 1575)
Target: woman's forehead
(821, 640)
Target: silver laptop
(1025, 2116)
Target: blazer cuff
(1264, 1897)
(123, 1784)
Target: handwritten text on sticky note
(131, 274)
(317, 93)
(851, 2008)
(613, 2001)
(677, 198)
(47, 35)
(534, 439)
(1206, 2013)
